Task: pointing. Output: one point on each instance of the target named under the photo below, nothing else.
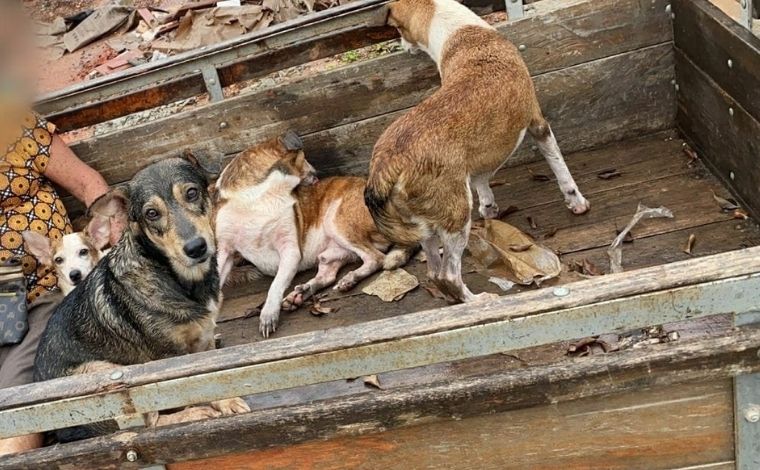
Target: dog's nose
(195, 248)
(75, 276)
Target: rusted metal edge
(739, 294)
(725, 355)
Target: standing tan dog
(424, 164)
(271, 210)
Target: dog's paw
(296, 298)
(192, 413)
(579, 204)
(268, 321)
(346, 284)
(490, 211)
(231, 406)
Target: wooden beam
(701, 360)
(710, 39)
(726, 136)
(446, 334)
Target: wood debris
(690, 244)
(609, 174)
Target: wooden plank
(351, 94)
(343, 28)
(571, 379)
(729, 144)
(533, 303)
(659, 428)
(709, 38)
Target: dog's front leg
(290, 257)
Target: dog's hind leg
(449, 280)
(431, 247)
(547, 143)
(330, 262)
(372, 261)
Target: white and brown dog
(74, 255)
(271, 210)
(425, 163)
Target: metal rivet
(752, 413)
(730, 111)
(730, 63)
(561, 291)
(744, 3)
(522, 47)
(732, 175)
(672, 16)
(211, 81)
(677, 87)
(668, 8)
(222, 125)
(131, 455)
(116, 375)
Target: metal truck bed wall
(460, 387)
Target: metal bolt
(672, 16)
(522, 47)
(744, 3)
(732, 175)
(730, 111)
(131, 455)
(116, 375)
(561, 291)
(668, 8)
(677, 87)
(222, 125)
(752, 413)
(730, 63)
(211, 81)
(673, 82)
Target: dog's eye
(151, 214)
(58, 260)
(192, 194)
(84, 252)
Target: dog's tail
(385, 203)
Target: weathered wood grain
(574, 379)
(709, 38)
(690, 272)
(309, 106)
(660, 428)
(728, 143)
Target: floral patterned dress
(28, 201)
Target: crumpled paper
(503, 249)
(615, 251)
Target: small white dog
(74, 255)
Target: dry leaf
(690, 244)
(318, 310)
(532, 222)
(392, 285)
(609, 174)
(372, 381)
(690, 153)
(434, 292)
(725, 204)
(504, 284)
(740, 214)
(509, 210)
(594, 344)
(490, 246)
(550, 233)
(539, 177)
(585, 267)
(520, 248)
(497, 182)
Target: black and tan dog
(156, 293)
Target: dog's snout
(75, 275)
(195, 248)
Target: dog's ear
(291, 141)
(114, 207)
(211, 170)
(99, 231)
(39, 246)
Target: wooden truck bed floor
(654, 171)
